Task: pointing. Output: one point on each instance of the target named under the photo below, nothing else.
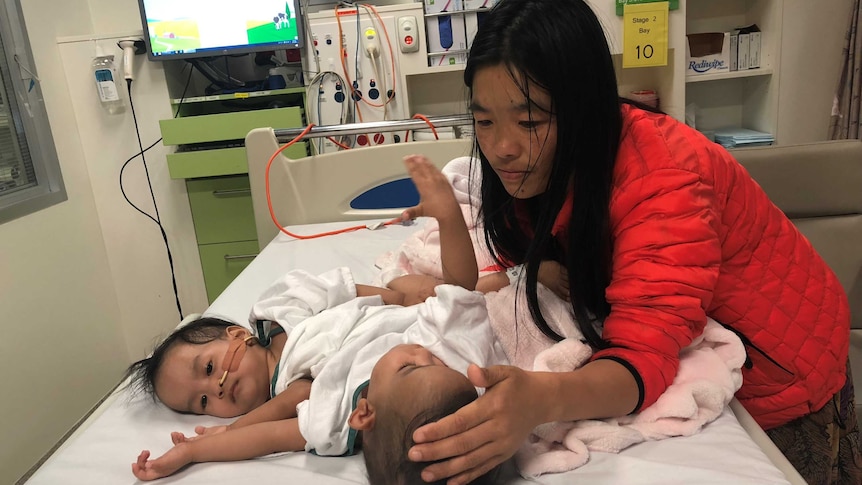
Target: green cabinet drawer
(221, 209)
(226, 126)
(221, 263)
(216, 162)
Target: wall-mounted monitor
(183, 29)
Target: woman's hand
(176, 458)
(486, 432)
(555, 277)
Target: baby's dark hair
(143, 372)
(385, 447)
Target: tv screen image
(200, 28)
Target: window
(30, 177)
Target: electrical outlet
(408, 34)
(372, 43)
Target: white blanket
(708, 376)
(336, 339)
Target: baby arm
(390, 296)
(247, 437)
(244, 443)
(437, 200)
(551, 274)
(414, 288)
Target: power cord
(155, 219)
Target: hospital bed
(312, 196)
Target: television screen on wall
(183, 29)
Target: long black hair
(558, 46)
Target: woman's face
(517, 135)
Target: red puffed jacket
(694, 235)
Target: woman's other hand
(486, 432)
(555, 277)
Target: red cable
(269, 198)
(428, 122)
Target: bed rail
(320, 188)
(287, 134)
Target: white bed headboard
(320, 188)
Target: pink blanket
(708, 376)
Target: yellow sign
(645, 34)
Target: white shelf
(426, 69)
(762, 71)
(747, 98)
(457, 12)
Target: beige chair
(819, 186)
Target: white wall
(61, 347)
(85, 284)
(812, 39)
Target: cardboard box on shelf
(446, 59)
(754, 50)
(743, 48)
(446, 33)
(474, 4)
(753, 33)
(437, 6)
(707, 53)
(734, 50)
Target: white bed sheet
(103, 448)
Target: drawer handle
(230, 192)
(228, 257)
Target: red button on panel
(362, 140)
(408, 40)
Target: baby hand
(436, 197)
(555, 277)
(176, 458)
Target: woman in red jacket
(647, 228)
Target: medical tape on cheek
(233, 356)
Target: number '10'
(647, 52)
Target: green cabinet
(210, 156)
(220, 208)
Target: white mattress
(102, 450)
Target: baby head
(209, 366)
(409, 387)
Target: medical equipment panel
(360, 53)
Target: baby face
(407, 373)
(188, 380)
